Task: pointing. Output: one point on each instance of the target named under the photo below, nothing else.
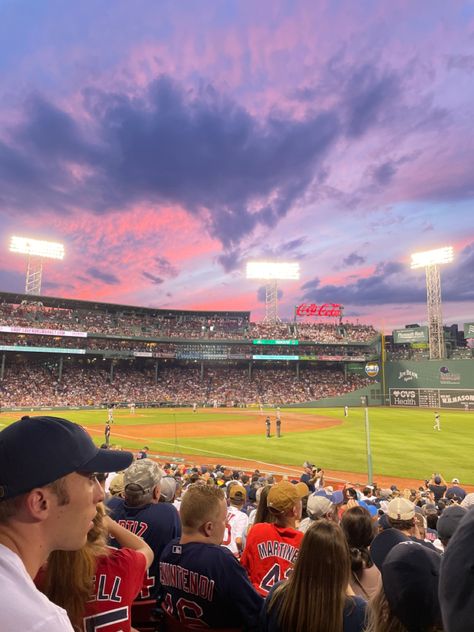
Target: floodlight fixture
(273, 271)
(430, 260)
(36, 250)
(432, 257)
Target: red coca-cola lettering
(326, 309)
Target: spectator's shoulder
(114, 503)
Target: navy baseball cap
(410, 577)
(36, 451)
(457, 578)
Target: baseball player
(268, 427)
(346, 411)
(110, 414)
(195, 408)
(203, 585)
(107, 434)
(272, 548)
(437, 423)
(132, 408)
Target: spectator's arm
(129, 540)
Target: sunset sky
(166, 143)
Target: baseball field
(404, 444)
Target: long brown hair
(69, 575)
(359, 531)
(263, 514)
(313, 598)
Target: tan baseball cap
(400, 509)
(284, 495)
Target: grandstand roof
(67, 303)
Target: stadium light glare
(272, 271)
(37, 247)
(36, 250)
(431, 257)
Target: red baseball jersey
(269, 554)
(118, 580)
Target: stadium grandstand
(76, 353)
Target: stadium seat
(143, 616)
(170, 624)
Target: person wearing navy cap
(48, 499)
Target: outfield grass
(404, 443)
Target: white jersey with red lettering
(237, 523)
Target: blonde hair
(69, 576)
(200, 503)
(313, 598)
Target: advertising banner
(411, 335)
(43, 332)
(409, 398)
(263, 341)
(275, 357)
(42, 349)
(432, 398)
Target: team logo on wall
(446, 377)
(372, 369)
(408, 376)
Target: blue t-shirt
(354, 618)
(157, 524)
(206, 582)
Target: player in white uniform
(110, 415)
(132, 408)
(195, 408)
(437, 424)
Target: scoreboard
(432, 398)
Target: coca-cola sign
(326, 309)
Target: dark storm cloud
(100, 275)
(12, 281)
(230, 260)
(154, 279)
(367, 94)
(293, 244)
(457, 282)
(196, 149)
(393, 282)
(353, 260)
(461, 62)
(165, 267)
(384, 173)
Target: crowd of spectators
(90, 384)
(176, 324)
(214, 547)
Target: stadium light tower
(272, 272)
(430, 260)
(36, 250)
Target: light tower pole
(36, 250)
(431, 260)
(271, 273)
